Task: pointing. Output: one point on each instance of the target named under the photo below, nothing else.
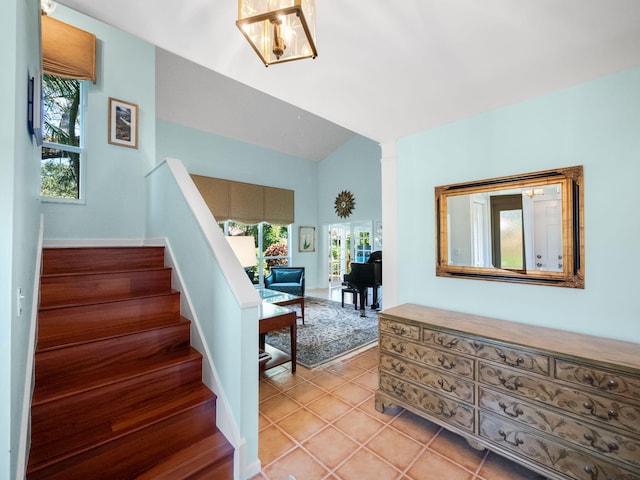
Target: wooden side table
(274, 317)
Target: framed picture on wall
(307, 239)
(123, 123)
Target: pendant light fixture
(279, 30)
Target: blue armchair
(286, 279)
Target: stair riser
(56, 366)
(57, 324)
(102, 259)
(84, 288)
(75, 426)
(136, 452)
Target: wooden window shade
(246, 202)
(68, 51)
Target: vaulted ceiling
(384, 69)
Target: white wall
(207, 154)
(355, 167)
(115, 188)
(595, 124)
(19, 216)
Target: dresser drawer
(419, 353)
(593, 438)
(513, 357)
(598, 379)
(399, 328)
(434, 379)
(553, 455)
(615, 413)
(446, 409)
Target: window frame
(80, 150)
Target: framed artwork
(123, 123)
(307, 239)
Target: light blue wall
(19, 216)
(115, 198)
(355, 167)
(596, 124)
(215, 156)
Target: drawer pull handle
(507, 361)
(398, 330)
(612, 384)
(450, 389)
(516, 411)
(587, 378)
(611, 447)
(449, 344)
(445, 364)
(516, 384)
(593, 472)
(516, 442)
(594, 411)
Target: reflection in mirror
(520, 228)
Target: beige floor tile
(346, 370)
(365, 465)
(496, 467)
(306, 373)
(285, 380)
(272, 443)
(390, 413)
(368, 380)
(305, 393)
(277, 407)
(263, 422)
(358, 425)
(330, 446)
(299, 464)
(364, 361)
(329, 407)
(301, 424)
(327, 380)
(352, 393)
(395, 447)
(267, 390)
(418, 428)
(456, 448)
(431, 466)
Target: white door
(548, 235)
(339, 255)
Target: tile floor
(322, 424)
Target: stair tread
(62, 443)
(191, 460)
(80, 259)
(106, 301)
(66, 289)
(67, 339)
(75, 384)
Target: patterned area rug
(329, 331)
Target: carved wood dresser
(562, 404)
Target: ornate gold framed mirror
(526, 228)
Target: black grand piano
(364, 276)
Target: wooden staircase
(118, 388)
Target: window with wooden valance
(246, 202)
(68, 51)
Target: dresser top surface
(581, 346)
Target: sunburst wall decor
(345, 202)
